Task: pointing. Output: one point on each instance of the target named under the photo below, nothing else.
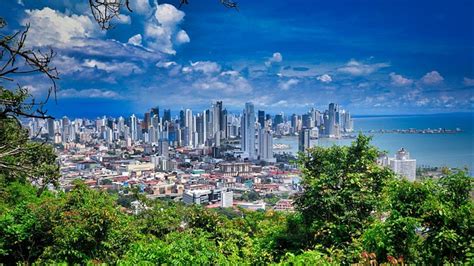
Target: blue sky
(372, 57)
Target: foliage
(24, 160)
(429, 222)
(74, 227)
(342, 189)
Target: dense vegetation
(351, 211)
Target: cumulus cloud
(141, 7)
(432, 77)
(325, 78)
(356, 68)
(123, 19)
(182, 37)
(162, 31)
(135, 40)
(286, 85)
(276, 58)
(399, 80)
(88, 93)
(468, 81)
(49, 27)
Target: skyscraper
(333, 112)
(167, 115)
(155, 111)
(217, 117)
(189, 124)
(147, 121)
(261, 118)
(304, 139)
(181, 119)
(248, 130)
(278, 119)
(134, 127)
(50, 128)
(265, 145)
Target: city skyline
(419, 59)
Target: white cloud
(169, 64)
(227, 85)
(123, 19)
(276, 58)
(324, 78)
(206, 67)
(161, 30)
(399, 80)
(135, 40)
(356, 68)
(286, 85)
(121, 68)
(182, 37)
(88, 93)
(141, 7)
(432, 77)
(468, 82)
(49, 27)
(167, 14)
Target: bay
(451, 150)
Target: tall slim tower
(248, 130)
(134, 127)
(261, 118)
(189, 124)
(304, 139)
(265, 145)
(333, 112)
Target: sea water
(452, 150)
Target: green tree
(21, 159)
(428, 222)
(342, 190)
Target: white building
(403, 165)
(248, 131)
(265, 145)
(227, 199)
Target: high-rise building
(134, 127)
(307, 121)
(201, 128)
(248, 130)
(51, 130)
(304, 139)
(265, 145)
(163, 148)
(333, 113)
(182, 119)
(217, 117)
(278, 119)
(146, 121)
(189, 125)
(155, 111)
(167, 115)
(261, 118)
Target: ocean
(452, 150)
